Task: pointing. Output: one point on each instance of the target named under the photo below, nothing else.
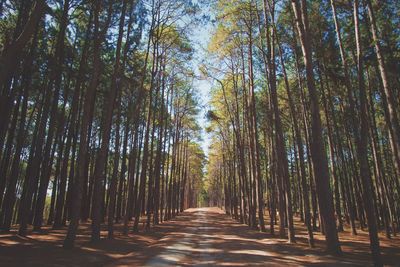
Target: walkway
(196, 237)
(208, 237)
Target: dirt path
(200, 237)
(207, 237)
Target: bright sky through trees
(201, 38)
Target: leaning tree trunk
(394, 124)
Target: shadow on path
(207, 237)
(200, 237)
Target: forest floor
(204, 236)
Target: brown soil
(196, 237)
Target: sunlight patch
(253, 252)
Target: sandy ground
(201, 237)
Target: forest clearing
(199, 132)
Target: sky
(200, 38)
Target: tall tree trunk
(77, 186)
(55, 81)
(300, 147)
(99, 171)
(318, 153)
(362, 150)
